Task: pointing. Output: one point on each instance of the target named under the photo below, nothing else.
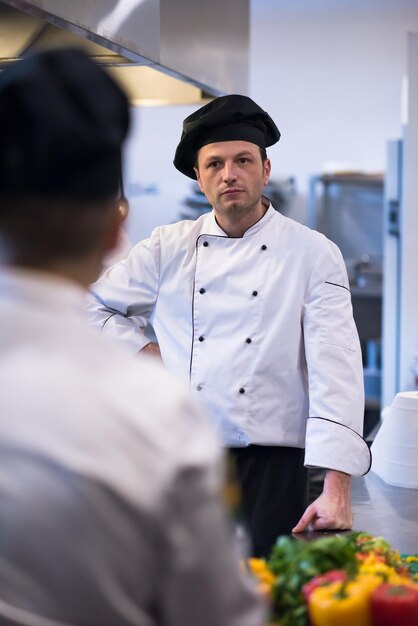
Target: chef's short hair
(36, 232)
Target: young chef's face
(232, 176)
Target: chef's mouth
(228, 192)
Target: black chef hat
(227, 118)
(62, 124)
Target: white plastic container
(395, 447)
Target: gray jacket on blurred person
(109, 481)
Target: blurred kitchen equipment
(372, 369)
(395, 446)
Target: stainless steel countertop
(391, 512)
(383, 510)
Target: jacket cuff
(334, 446)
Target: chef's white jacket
(260, 325)
(109, 489)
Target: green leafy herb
(296, 562)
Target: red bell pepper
(335, 575)
(394, 605)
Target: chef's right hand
(153, 349)
(332, 510)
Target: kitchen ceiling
(144, 44)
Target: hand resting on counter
(332, 509)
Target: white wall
(328, 71)
(149, 155)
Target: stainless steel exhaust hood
(161, 51)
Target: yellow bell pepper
(371, 567)
(375, 567)
(263, 574)
(343, 604)
(411, 559)
(261, 570)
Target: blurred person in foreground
(254, 310)
(109, 474)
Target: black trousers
(274, 491)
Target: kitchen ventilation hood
(161, 51)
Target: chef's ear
(114, 223)
(267, 170)
(123, 207)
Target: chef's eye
(244, 160)
(213, 164)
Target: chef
(254, 310)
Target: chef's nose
(229, 171)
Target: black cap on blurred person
(62, 124)
(227, 118)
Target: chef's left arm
(334, 428)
